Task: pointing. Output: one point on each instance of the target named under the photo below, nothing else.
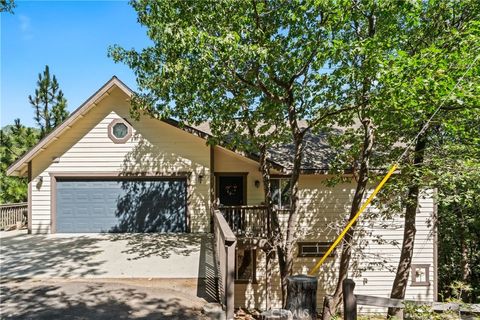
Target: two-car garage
(120, 204)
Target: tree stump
(302, 296)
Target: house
(103, 171)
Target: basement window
(245, 265)
(420, 275)
(313, 249)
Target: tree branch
(329, 114)
(304, 68)
(259, 85)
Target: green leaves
(14, 141)
(253, 69)
(7, 6)
(48, 102)
(213, 60)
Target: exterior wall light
(39, 182)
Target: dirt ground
(95, 299)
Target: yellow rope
(350, 224)
(389, 173)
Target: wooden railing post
(230, 279)
(225, 243)
(349, 300)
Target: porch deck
(247, 221)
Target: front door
(231, 190)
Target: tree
(458, 219)
(433, 71)
(15, 140)
(7, 6)
(49, 103)
(254, 70)
(375, 38)
(370, 33)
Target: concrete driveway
(96, 299)
(104, 255)
(105, 276)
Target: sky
(72, 38)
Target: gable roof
(19, 166)
(317, 153)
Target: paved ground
(104, 276)
(73, 299)
(104, 255)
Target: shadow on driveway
(102, 255)
(40, 255)
(67, 277)
(145, 245)
(83, 300)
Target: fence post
(230, 279)
(349, 300)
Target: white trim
(16, 167)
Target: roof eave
(18, 167)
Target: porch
(238, 231)
(247, 221)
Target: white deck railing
(11, 213)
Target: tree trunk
(368, 139)
(285, 250)
(464, 258)
(463, 245)
(403, 270)
(273, 225)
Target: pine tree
(49, 103)
(14, 141)
(7, 6)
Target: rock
(214, 311)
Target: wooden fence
(351, 301)
(11, 213)
(225, 242)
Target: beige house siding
(323, 210)
(155, 148)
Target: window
(119, 131)
(420, 275)
(313, 249)
(245, 265)
(280, 188)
